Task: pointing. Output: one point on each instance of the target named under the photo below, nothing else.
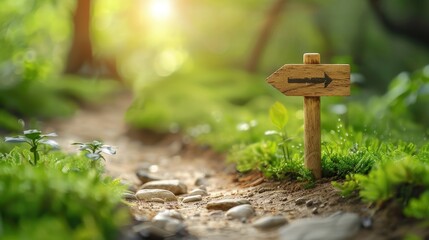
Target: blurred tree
(414, 26)
(272, 19)
(81, 59)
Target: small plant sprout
(279, 117)
(95, 149)
(34, 138)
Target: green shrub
(402, 175)
(267, 157)
(63, 197)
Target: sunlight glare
(160, 9)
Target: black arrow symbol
(326, 80)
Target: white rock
(338, 226)
(148, 194)
(169, 220)
(197, 192)
(240, 212)
(174, 186)
(169, 224)
(269, 222)
(225, 204)
(194, 198)
(158, 200)
(169, 214)
(144, 176)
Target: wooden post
(312, 80)
(312, 149)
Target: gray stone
(309, 203)
(201, 181)
(338, 226)
(240, 212)
(300, 201)
(169, 214)
(366, 222)
(150, 231)
(129, 196)
(174, 186)
(225, 204)
(148, 194)
(144, 176)
(167, 223)
(315, 210)
(158, 200)
(194, 198)
(269, 222)
(197, 191)
(130, 186)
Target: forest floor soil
(173, 156)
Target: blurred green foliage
(400, 174)
(151, 43)
(34, 36)
(185, 61)
(63, 197)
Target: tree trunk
(81, 59)
(272, 18)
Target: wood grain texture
(312, 136)
(311, 58)
(339, 73)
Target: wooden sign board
(312, 79)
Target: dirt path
(169, 157)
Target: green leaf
(108, 150)
(49, 135)
(51, 143)
(278, 115)
(19, 139)
(32, 134)
(272, 132)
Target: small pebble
(201, 181)
(149, 231)
(129, 196)
(300, 201)
(144, 176)
(225, 204)
(338, 226)
(315, 210)
(241, 212)
(174, 186)
(261, 190)
(269, 222)
(216, 213)
(366, 222)
(140, 218)
(148, 194)
(198, 192)
(169, 214)
(171, 225)
(194, 198)
(158, 200)
(309, 203)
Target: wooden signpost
(312, 80)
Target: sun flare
(160, 9)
